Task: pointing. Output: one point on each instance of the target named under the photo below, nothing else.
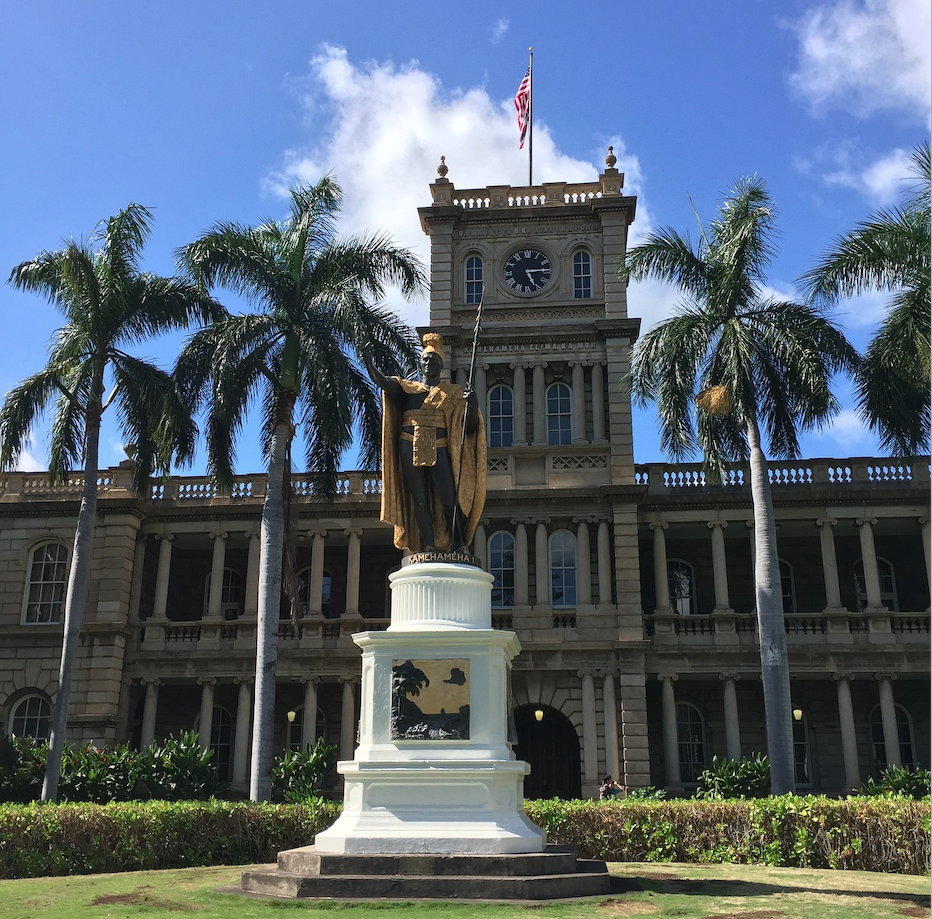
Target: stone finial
(610, 160)
(443, 169)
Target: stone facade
(629, 586)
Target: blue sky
(209, 110)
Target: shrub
(22, 768)
(178, 769)
(900, 781)
(298, 775)
(735, 778)
(647, 793)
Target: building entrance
(547, 740)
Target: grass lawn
(688, 891)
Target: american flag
(523, 106)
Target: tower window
(582, 276)
(501, 416)
(682, 584)
(473, 279)
(690, 732)
(887, 584)
(502, 568)
(563, 569)
(48, 577)
(559, 415)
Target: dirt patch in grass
(920, 912)
(142, 896)
(626, 908)
(748, 914)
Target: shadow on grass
(665, 884)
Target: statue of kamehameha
(433, 457)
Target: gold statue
(433, 457)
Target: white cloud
(847, 431)
(385, 128)
(27, 461)
(865, 56)
(499, 30)
(882, 182)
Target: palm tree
(313, 293)
(890, 251)
(747, 361)
(108, 304)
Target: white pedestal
(430, 793)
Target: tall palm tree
(108, 304)
(313, 293)
(890, 251)
(732, 361)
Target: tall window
(473, 279)
(787, 587)
(690, 733)
(682, 587)
(582, 276)
(801, 751)
(502, 568)
(887, 584)
(48, 577)
(221, 741)
(563, 568)
(304, 592)
(904, 732)
(32, 717)
(559, 415)
(231, 594)
(501, 416)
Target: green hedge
(867, 834)
(39, 840)
(864, 834)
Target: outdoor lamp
(797, 714)
(290, 716)
(538, 714)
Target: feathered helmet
(433, 342)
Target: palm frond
(22, 405)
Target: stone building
(629, 586)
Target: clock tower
(560, 526)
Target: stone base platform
(553, 874)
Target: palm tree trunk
(775, 671)
(76, 597)
(272, 541)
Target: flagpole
(530, 119)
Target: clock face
(527, 271)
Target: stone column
(150, 707)
(160, 601)
(241, 733)
(583, 565)
(598, 404)
(732, 723)
(869, 562)
(579, 404)
(926, 530)
(891, 736)
(661, 580)
(316, 586)
(352, 571)
(206, 722)
(521, 563)
(719, 566)
(671, 743)
(348, 719)
(215, 595)
(590, 739)
(540, 406)
(251, 599)
(520, 409)
(309, 727)
(139, 562)
(826, 527)
(480, 547)
(849, 741)
(610, 720)
(542, 561)
(605, 563)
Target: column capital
(207, 681)
(243, 680)
(580, 361)
(541, 520)
(712, 524)
(310, 679)
(584, 519)
(667, 676)
(659, 525)
(314, 534)
(839, 675)
(352, 680)
(729, 676)
(520, 365)
(822, 521)
(218, 534)
(147, 681)
(921, 521)
(167, 537)
(587, 672)
(860, 521)
(608, 672)
(353, 531)
(880, 677)
(520, 521)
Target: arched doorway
(547, 740)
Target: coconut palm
(890, 251)
(732, 362)
(108, 304)
(313, 292)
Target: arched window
(904, 732)
(31, 717)
(787, 587)
(221, 741)
(563, 569)
(682, 587)
(501, 416)
(473, 279)
(690, 732)
(304, 592)
(502, 568)
(887, 584)
(48, 580)
(801, 749)
(231, 594)
(559, 415)
(582, 276)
